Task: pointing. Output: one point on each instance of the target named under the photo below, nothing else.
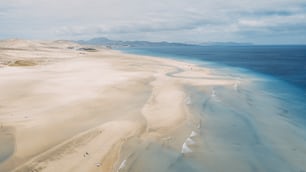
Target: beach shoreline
(70, 107)
(62, 82)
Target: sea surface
(258, 124)
(285, 62)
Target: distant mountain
(114, 43)
(97, 41)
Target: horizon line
(208, 43)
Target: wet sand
(65, 108)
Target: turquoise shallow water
(258, 124)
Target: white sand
(61, 103)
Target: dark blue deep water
(285, 62)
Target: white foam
(185, 149)
(189, 141)
(122, 165)
(193, 134)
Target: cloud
(172, 20)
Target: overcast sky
(257, 21)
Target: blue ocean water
(283, 65)
(257, 125)
(285, 62)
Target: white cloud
(252, 23)
(173, 20)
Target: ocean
(285, 62)
(257, 124)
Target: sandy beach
(67, 108)
(59, 103)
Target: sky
(190, 21)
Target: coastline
(77, 110)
